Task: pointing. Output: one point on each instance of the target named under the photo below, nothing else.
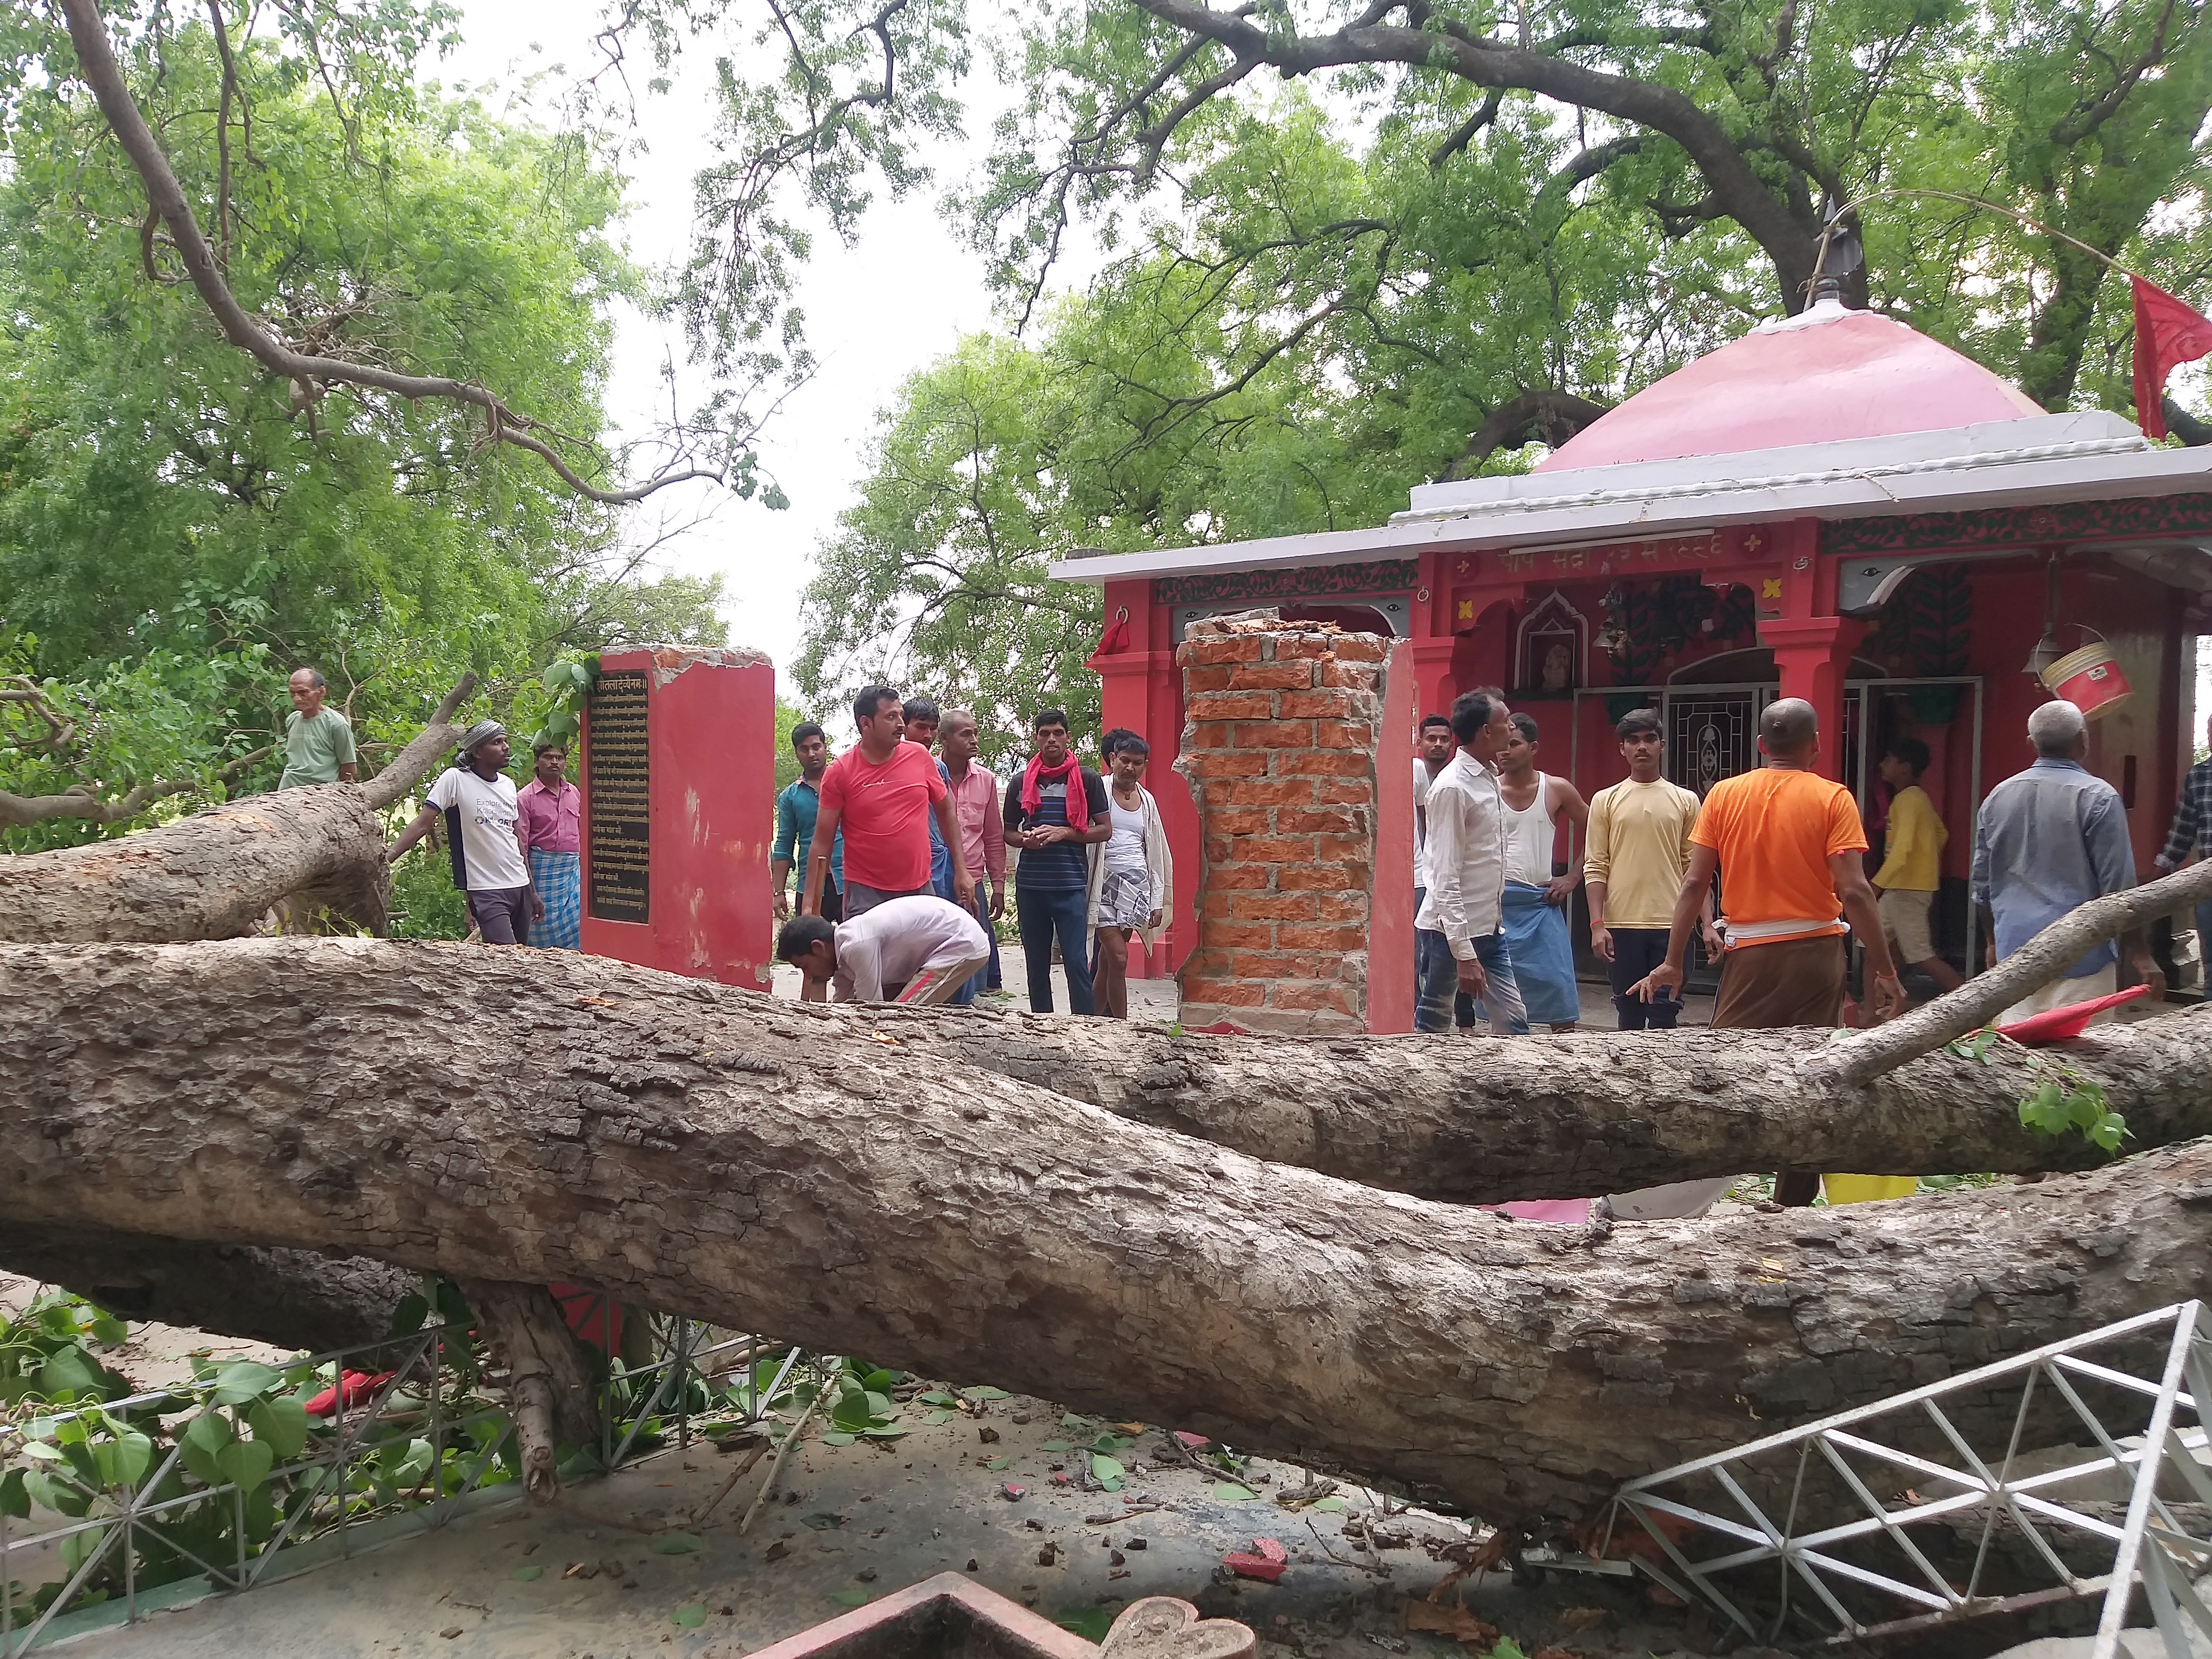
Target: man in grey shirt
(2050, 840)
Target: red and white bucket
(2089, 679)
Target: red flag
(2167, 334)
(1116, 636)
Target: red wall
(710, 746)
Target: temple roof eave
(1592, 504)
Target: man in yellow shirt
(1636, 851)
(1904, 887)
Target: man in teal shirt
(317, 741)
(796, 809)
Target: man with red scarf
(1054, 813)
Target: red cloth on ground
(1039, 775)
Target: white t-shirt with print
(486, 813)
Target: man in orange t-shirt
(883, 792)
(1787, 844)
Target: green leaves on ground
(689, 1616)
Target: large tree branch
(1543, 416)
(1488, 62)
(214, 875)
(309, 372)
(684, 1146)
(2035, 964)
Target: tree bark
(289, 1299)
(215, 874)
(547, 1389)
(533, 1117)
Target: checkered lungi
(557, 878)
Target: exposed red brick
(1324, 705)
(1313, 878)
(1352, 676)
(1206, 680)
(1210, 734)
(1270, 791)
(1283, 964)
(1231, 877)
(1270, 907)
(1289, 647)
(1272, 677)
(1344, 792)
(1241, 935)
(1240, 821)
(1322, 764)
(1221, 763)
(1340, 907)
(1214, 649)
(1326, 820)
(1222, 992)
(1276, 849)
(1361, 647)
(1348, 850)
(1319, 936)
(1237, 705)
(1333, 734)
(1297, 994)
(1344, 1000)
(1278, 734)
(1213, 904)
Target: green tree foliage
(177, 530)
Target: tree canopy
(178, 529)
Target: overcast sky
(876, 312)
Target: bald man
(1787, 844)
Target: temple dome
(1825, 374)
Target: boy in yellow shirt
(1904, 887)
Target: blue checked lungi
(1543, 956)
(557, 878)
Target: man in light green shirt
(317, 741)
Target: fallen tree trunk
(288, 1299)
(1468, 1120)
(536, 1118)
(215, 874)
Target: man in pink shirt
(982, 843)
(883, 792)
(548, 824)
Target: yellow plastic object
(1865, 1189)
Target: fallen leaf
(1130, 1428)
(853, 1598)
(1193, 1441)
(986, 1394)
(1446, 1618)
(689, 1616)
(528, 1574)
(995, 1464)
(1328, 1506)
(776, 1551)
(1228, 1492)
(449, 1632)
(1582, 1618)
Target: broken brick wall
(1280, 750)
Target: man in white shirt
(917, 951)
(1465, 863)
(477, 800)
(1433, 972)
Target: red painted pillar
(1390, 907)
(1813, 656)
(1142, 689)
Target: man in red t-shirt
(882, 794)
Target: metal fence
(146, 1524)
(2077, 1470)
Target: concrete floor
(850, 1524)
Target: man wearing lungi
(1787, 844)
(1535, 903)
(548, 824)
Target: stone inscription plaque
(620, 803)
